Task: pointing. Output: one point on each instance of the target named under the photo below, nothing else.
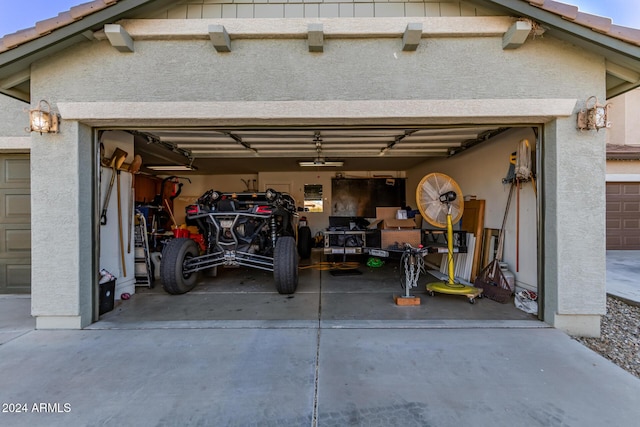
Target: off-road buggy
(254, 230)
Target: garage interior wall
(479, 172)
(109, 237)
(295, 181)
(367, 69)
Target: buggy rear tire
(174, 254)
(304, 242)
(285, 265)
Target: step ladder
(143, 271)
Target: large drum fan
(441, 204)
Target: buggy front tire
(285, 265)
(174, 254)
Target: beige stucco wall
(14, 119)
(623, 167)
(365, 69)
(624, 112)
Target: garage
(15, 225)
(359, 172)
(234, 97)
(623, 216)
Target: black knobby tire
(175, 252)
(304, 242)
(285, 265)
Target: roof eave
(22, 56)
(615, 50)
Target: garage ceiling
(253, 150)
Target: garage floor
(249, 295)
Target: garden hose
(375, 262)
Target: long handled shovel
(134, 167)
(124, 267)
(117, 159)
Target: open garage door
(15, 224)
(181, 164)
(623, 215)
(270, 149)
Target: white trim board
(622, 177)
(414, 112)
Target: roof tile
(567, 11)
(48, 25)
(629, 35)
(596, 23)
(19, 37)
(84, 9)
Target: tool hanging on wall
(124, 266)
(117, 159)
(523, 174)
(520, 170)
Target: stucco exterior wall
(62, 188)
(13, 122)
(574, 222)
(14, 119)
(624, 113)
(374, 69)
(624, 167)
(362, 69)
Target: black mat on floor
(349, 272)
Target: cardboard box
(387, 212)
(394, 224)
(386, 219)
(397, 238)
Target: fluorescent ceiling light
(321, 163)
(172, 168)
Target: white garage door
(15, 224)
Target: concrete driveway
(308, 374)
(623, 275)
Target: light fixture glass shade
(595, 117)
(598, 116)
(42, 120)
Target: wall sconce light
(42, 119)
(595, 116)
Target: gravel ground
(620, 336)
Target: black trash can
(107, 296)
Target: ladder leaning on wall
(143, 271)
